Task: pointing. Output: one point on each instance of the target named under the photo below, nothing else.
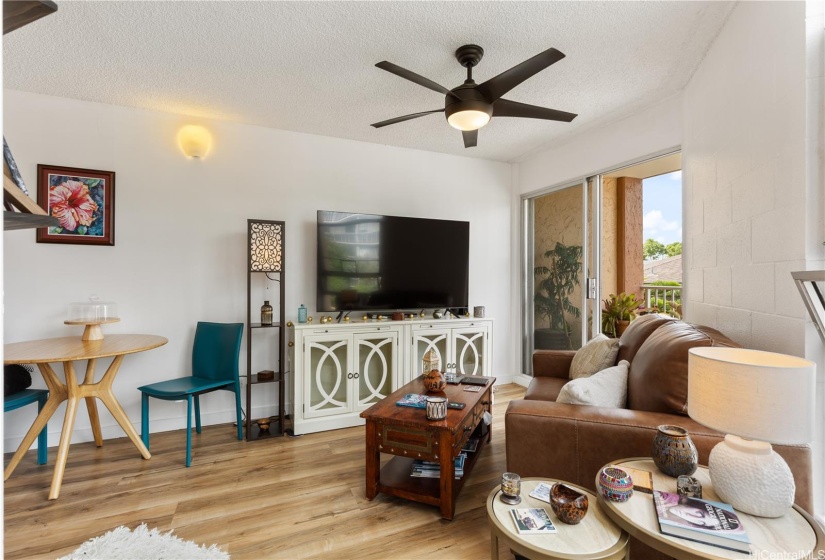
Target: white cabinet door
(423, 340)
(469, 351)
(375, 368)
(327, 375)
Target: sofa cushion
(599, 353)
(605, 388)
(658, 378)
(544, 388)
(637, 332)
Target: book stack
(430, 469)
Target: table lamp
(757, 398)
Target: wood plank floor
(280, 498)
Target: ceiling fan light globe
(468, 120)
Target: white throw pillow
(596, 355)
(605, 388)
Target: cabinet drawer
(464, 432)
(408, 442)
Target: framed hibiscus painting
(82, 200)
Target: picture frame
(83, 200)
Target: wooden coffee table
(406, 433)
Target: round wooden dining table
(68, 350)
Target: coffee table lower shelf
(396, 480)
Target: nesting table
(596, 537)
(68, 350)
(794, 535)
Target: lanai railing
(665, 298)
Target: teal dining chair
(215, 355)
(26, 397)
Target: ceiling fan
(470, 106)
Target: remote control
(456, 405)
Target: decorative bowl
(263, 424)
(615, 484)
(569, 505)
(434, 381)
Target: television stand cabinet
(341, 369)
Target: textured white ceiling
(309, 66)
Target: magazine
(699, 520)
(532, 521)
(413, 400)
(541, 492)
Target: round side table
(794, 535)
(596, 537)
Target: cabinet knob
(356, 375)
(485, 402)
(290, 344)
(349, 376)
(467, 428)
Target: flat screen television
(368, 262)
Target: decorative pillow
(605, 388)
(596, 355)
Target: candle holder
(510, 488)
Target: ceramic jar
(673, 451)
(434, 381)
(615, 484)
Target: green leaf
(92, 182)
(82, 230)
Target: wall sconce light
(194, 140)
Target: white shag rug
(144, 544)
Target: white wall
(653, 130)
(181, 232)
(746, 196)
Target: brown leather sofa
(572, 442)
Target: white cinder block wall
(181, 234)
(746, 190)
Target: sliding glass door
(585, 240)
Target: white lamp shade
(753, 394)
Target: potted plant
(618, 312)
(554, 284)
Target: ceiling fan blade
(405, 118)
(506, 108)
(494, 88)
(470, 138)
(413, 77)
